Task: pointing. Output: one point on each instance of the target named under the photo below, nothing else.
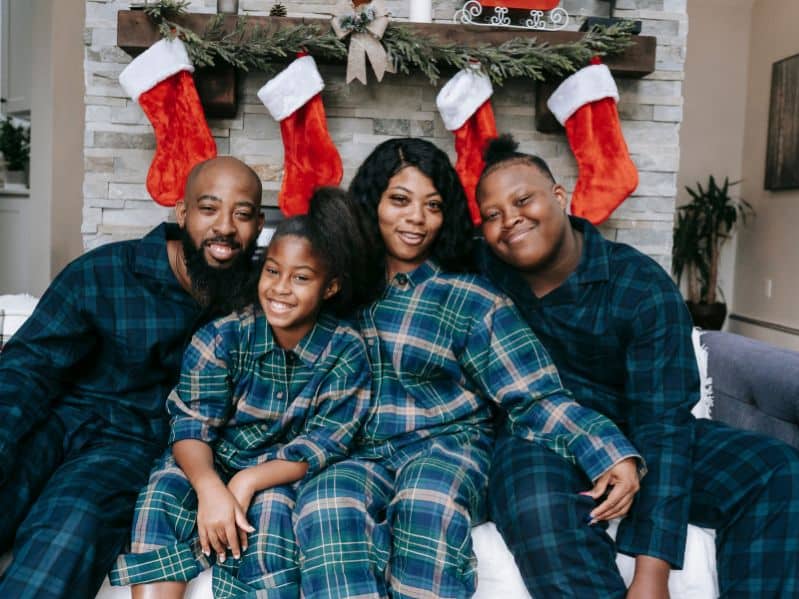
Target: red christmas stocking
(585, 104)
(160, 81)
(310, 159)
(465, 107)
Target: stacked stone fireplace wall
(119, 141)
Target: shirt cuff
(303, 449)
(597, 458)
(189, 428)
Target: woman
(445, 349)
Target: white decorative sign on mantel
(542, 15)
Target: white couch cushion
(498, 576)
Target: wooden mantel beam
(136, 32)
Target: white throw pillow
(14, 310)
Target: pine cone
(278, 10)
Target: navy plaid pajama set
(252, 402)
(620, 334)
(445, 351)
(82, 391)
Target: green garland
(258, 47)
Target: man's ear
(333, 287)
(561, 196)
(180, 212)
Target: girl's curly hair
(333, 227)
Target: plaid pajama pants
(745, 485)
(401, 523)
(67, 508)
(165, 545)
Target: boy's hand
(218, 516)
(242, 487)
(623, 478)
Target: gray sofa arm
(755, 385)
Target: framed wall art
(782, 149)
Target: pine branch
(252, 47)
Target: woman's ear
(333, 287)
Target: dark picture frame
(782, 148)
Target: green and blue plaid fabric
(252, 401)
(82, 390)
(166, 547)
(620, 334)
(447, 349)
(105, 341)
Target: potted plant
(701, 229)
(15, 146)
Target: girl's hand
(623, 478)
(218, 516)
(242, 487)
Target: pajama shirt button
(279, 395)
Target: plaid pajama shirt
(252, 402)
(82, 390)
(619, 333)
(445, 351)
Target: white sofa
(498, 575)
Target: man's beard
(223, 290)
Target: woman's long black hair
(333, 227)
(452, 249)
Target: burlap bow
(365, 25)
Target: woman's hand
(219, 517)
(623, 478)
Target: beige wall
(57, 141)
(768, 249)
(68, 123)
(711, 136)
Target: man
(619, 334)
(84, 381)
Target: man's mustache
(224, 240)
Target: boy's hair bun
(505, 149)
(500, 149)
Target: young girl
(445, 348)
(267, 396)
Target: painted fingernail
(221, 558)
